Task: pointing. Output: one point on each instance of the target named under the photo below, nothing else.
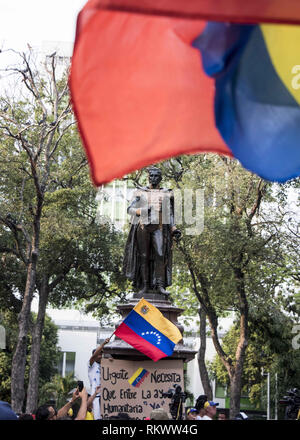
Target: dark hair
(120, 416)
(124, 416)
(200, 401)
(42, 413)
(26, 417)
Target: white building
(78, 335)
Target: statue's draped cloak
(132, 263)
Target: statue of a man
(148, 252)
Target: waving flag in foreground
(257, 104)
(147, 330)
(151, 81)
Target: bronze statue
(148, 252)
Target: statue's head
(155, 176)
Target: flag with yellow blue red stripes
(140, 92)
(138, 377)
(147, 330)
(257, 98)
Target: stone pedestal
(122, 363)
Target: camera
(177, 399)
(292, 403)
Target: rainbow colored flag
(148, 331)
(138, 377)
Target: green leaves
(58, 389)
(49, 352)
(247, 257)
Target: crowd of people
(85, 412)
(48, 411)
(89, 407)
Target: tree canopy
(50, 243)
(242, 256)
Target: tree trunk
(235, 396)
(33, 385)
(201, 356)
(19, 357)
(234, 370)
(236, 377)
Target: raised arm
(83, 407)
(98, 351)
(62, 412)
(92, 397)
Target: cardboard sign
(137, 387)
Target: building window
(66, 363)
(2, 338)
(220, 390)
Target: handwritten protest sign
(137, 387)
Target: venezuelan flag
(140, 93)
(147, 330)
(257, 94)
(138, 377)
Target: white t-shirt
(94, 373)
(203, 418)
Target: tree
(269, 350)
(50, 244)
(184, 298)
(32, 126)
(277, 333)
(49, 352)
(234, 260)
(79, 260)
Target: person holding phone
(49, 411)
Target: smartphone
(80, 385)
